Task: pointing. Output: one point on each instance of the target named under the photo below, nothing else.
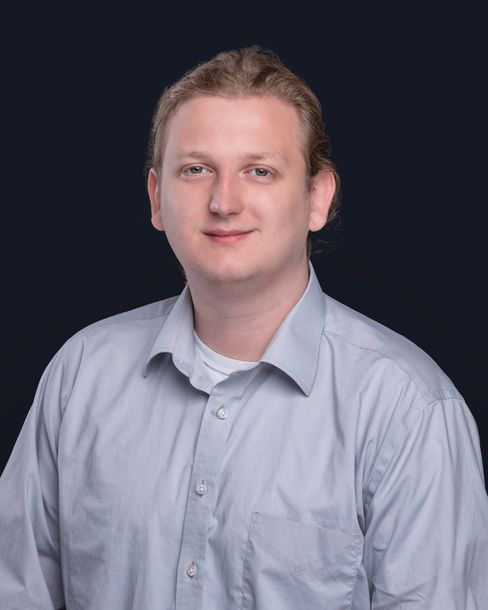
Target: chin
(228, 273)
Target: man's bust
(251, 442)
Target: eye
(261, 172)
(194, 170)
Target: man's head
(235, 105)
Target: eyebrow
(257, 156)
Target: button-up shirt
(342, 471)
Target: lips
(228, 233)
(231, 236)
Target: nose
(226, 196)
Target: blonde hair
(249, 72)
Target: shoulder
(126, 335)
(106, 349)
(401, 398)
(126, 320)
(375, 347)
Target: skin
(241, 290)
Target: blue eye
(197, 167)
(261, 172)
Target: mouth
(227, 237)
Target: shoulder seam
(428, 397)
(107, 323)
(369, 349)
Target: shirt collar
(294, 347)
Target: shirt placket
(214, 430)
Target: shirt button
(191, 570)
(201, 488)
(222, 413)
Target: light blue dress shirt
(342, 472)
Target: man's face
(234, 165)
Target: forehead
(229, 123)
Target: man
(251, 443)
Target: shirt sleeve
(30, 574)
(426, 540)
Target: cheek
(178, 212)
(289, 214)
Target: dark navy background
(404, 101)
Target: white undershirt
(215, 366)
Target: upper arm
(30, 574)
(426, 539)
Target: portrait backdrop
(404, 102)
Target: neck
(239, 321)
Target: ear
(321, 195)
(154, 197)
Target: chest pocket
(290, 564)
